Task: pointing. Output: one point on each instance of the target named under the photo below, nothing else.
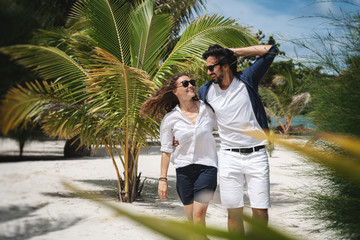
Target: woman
(190, 122)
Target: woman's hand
(163, 184)
(163, 189)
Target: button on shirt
(196, 142)
(235, 115)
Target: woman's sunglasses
(186, 83)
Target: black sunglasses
(186, 83)
(211, 67)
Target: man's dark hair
(222, 55)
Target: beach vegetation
(284, 92)
(335, 108)
(95, 73)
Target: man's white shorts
(241, 170)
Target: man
(239, 112)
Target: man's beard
(219, 79)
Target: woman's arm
(163, 184)
(256, 50)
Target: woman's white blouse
(196, 142)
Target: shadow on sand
(22, 222)
(148, 198)
(149, 195)
(109, 189)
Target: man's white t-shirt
(196, 142)
(235, 116)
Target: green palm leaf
(34, 103)
(197, 37)
(64, 121)
(128, 86)
(50, 63)
(109, 21)
(273, 101)
(19, 107)
(149, 37)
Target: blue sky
(282, 18)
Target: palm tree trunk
(288, 124)
(281, 124)
(109, 149)
(136, 178)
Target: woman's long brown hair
(163, 101)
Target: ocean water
(299, 120)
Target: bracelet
(163, 178)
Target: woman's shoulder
(171, 115)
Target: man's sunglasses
(186, 83)
(211, 67)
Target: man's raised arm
(256, 50)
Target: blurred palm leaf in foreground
(345, 161)
(96, 73)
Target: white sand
(35, 205)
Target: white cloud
(324, 6)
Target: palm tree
(286, 96)
(98, 72)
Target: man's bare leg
(261, 214)
(235, 220)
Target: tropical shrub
(285, 95)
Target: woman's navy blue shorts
(196, 182)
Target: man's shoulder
(206, 84)
(203, 89)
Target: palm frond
(273, 101)
(347, 166)
(150, 33)
(66, 122)
(77, 19)
(19, 107)
(279, 80)
(343, 165)
(348, 143)
(184, 10)
(286, 79)
(269, 112)
(33, 103)
(56, 37)
(298, 103)
(199, 35)
(118, 92)
(50, 63)
(109, 21)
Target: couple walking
(230, 104)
